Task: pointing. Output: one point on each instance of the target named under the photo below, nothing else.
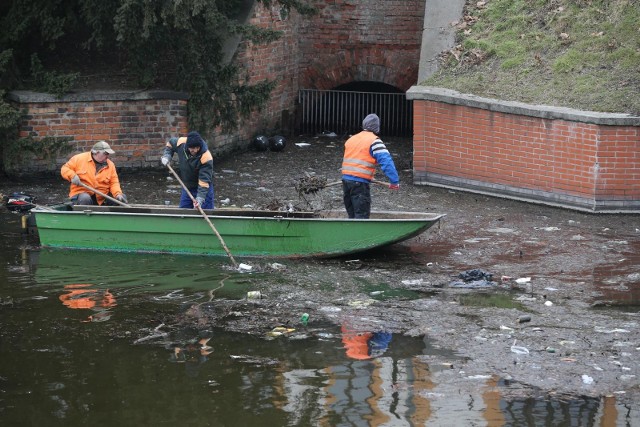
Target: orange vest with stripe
(358, 160)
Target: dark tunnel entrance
(342, 109)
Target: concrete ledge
(29, 97)
(448, 96)
(527, 195)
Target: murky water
(82, 343)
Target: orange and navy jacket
(195, 171)
(362, 152)
(105, 181)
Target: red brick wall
(135, 124)
(368, 40)
(277, 61)
(619, 161)
(594, 166)
(346, 41)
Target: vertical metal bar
(342, 111)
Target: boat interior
(232, 211)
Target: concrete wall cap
(449, 96)
(30, 97)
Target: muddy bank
(576, 275)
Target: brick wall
(277, 61)
(346, 41)
(584, 160)
(368, 40)
(136, 124)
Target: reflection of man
(379, 343)
(364, 345)
(78, 296)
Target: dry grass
(582, 54)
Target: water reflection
(361, 345)
(80, 296)
(57, 371)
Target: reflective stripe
(360, 162)
(357, 159)
(352, 170)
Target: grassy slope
(582, 54)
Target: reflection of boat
(147, 228)
(132, 273)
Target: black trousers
(357, 198)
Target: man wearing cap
(196, 169)
(94, 169)
(362, 152)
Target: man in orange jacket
(94, 169)
(362, 152)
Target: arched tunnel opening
(342, 109)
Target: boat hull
(246, 233)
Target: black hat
(194, 140)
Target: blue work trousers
(186, 202)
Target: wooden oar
(82, 184)
(204, 215)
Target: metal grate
(342, 111)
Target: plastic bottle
(304, 319)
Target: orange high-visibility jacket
(357, 159)
(83, 165)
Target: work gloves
(121, 198)
(394, 186)
(199, 202)
(165, 160)
(76, 180)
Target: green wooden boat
(247, 233)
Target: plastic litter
(278, 266)
(254, 295)
(279, 331)
(244, 267)
(304, 319)
(587, 379)
(475, 274)
(475, 278)
(523, 280)
(548, 303)
(519, 349)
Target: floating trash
(519, 349)
(523, 319)
(304, 319)
(245, 267)
(254, 295)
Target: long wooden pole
(82, 184)
(204, 215)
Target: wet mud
(575, 275)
